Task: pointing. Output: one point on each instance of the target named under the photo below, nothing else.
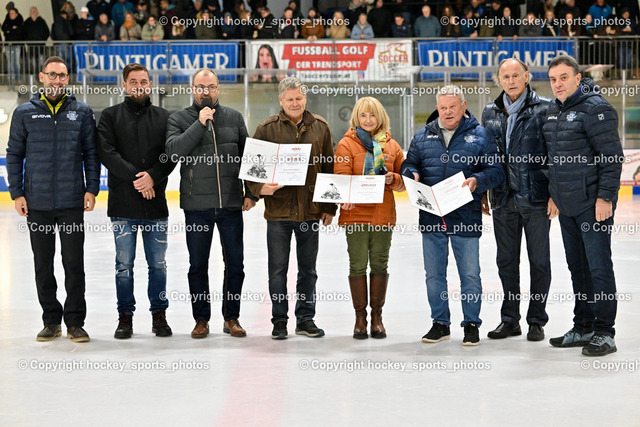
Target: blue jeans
(279, 247)
(12, 53)
(587, 246)
(200, 226)
(154, 238)
(435, 251)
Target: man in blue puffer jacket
(453, 141)
(54, 135)
(585, 163)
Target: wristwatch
(606, 200)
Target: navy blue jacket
(525, 165)
(472, 151)
(54, 149)
(585, 154)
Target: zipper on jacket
(215, 149)
(190, 181)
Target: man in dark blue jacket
(54, 135)
(452, 142)
(522, 201)
(131, 140)
(585, 163)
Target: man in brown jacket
(291, 209)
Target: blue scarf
(374, 160)
(513, 108)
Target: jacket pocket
(314, 208)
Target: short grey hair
(450, 90)
(288, 83)
(525, 69)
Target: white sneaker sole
(428, 341)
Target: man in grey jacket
(208, 140)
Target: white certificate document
(332, 188)
(440, 199)
(268, 162)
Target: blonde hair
(370, 105)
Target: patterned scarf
(374, 160)
(513, 109)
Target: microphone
(207, 102)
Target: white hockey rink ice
(335, 380)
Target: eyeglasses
(52, 75)
(209, 88)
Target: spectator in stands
(354, 10)
(624, 48)
(35, 29)
(130, 29)
(245, 29)
(313, 29)
(362, 30)
(600, 11)
(567, 6)
(297, 15)
(152, 31)
(550, 28)
(178, 31)
(547, 5)
(286, 28)
(119, 12)
(62, 32)
(477, 7)
(228, 29)
(338, 28)
(205, 28)
(626, 25)
(570, 27)
(169, 11)
(105, 31)
(98, 7)
(12, 30)
(452, 27)
(142, 13)
(400, 28)
(380, 19)
(427, 25)
(490, 18)
(508, 27)
(266, 30)
(399, 6)
(530, 27)
(71, 12)
(468, 27)
(85, 28)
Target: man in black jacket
(35, 30)
(208, 141)
(52, 138)
(62, 34)
(12, 30)
(585, 163)
(522, 201)
(131, 140)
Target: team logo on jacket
(470, 139)
(600, 116)
(41, 116)
(571, 116)
(432, 136)
(72, 115)
(552, 118)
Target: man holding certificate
(290, 209)
(451, 142)
(368, 149)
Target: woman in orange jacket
(368, 149)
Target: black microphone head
(206, 102)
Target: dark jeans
(200, 225)
(279, 247)
(509, 221)
(43, 244)
(154, 239)
(587, 245)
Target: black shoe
(471, 334)
(279, 330)
(600, 345)
(504, 330)
(125, 327)
(49, 332)
(536, 333)
(437, 333)
(77, 334)
(160, 326)
(309, 329)
(572, 338)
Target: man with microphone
(208, 139)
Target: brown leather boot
(378, 288)
(358, 286)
